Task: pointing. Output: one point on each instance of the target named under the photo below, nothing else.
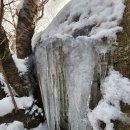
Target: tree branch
(10, 22)
(9, 3)
(1, 11)
(12, 16)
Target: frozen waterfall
(67, 54)
(66, 96)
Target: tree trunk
(9, 65)
(25, 28)
(27, 19)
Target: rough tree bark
(25, 28)
(8, 63)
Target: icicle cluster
(66, 57)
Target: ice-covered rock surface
(64, 61)
(67, 53)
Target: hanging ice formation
(67, 57)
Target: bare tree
(5, 57)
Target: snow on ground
(115, 88)
(4, 87)
(6, 105)
(41, 127)
(13, 126)
(19, 126)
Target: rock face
(121, 58)
(71, 63)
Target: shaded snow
(115, 88)
(6, 105)
(20, 64)
(19, 126)
(20, 5)
(78, 89)
(4, 86)
(13, 126)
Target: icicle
(103, 65)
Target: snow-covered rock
(67, 53)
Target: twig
(10, 22)
(12, 15)
(6, 80)
(9, 3)
(41, 8)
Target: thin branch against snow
(8, 85)
(13, 1)
(7, 107)
(9, 22)
(20, 64)
(16, 125)
(20, 5)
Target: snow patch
(84, 30)
(98, 18)
(16, 125)
(115, 88)
(20, 5)
(20, 64)
(6, 105)
(4, 86)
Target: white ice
(85, 28)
